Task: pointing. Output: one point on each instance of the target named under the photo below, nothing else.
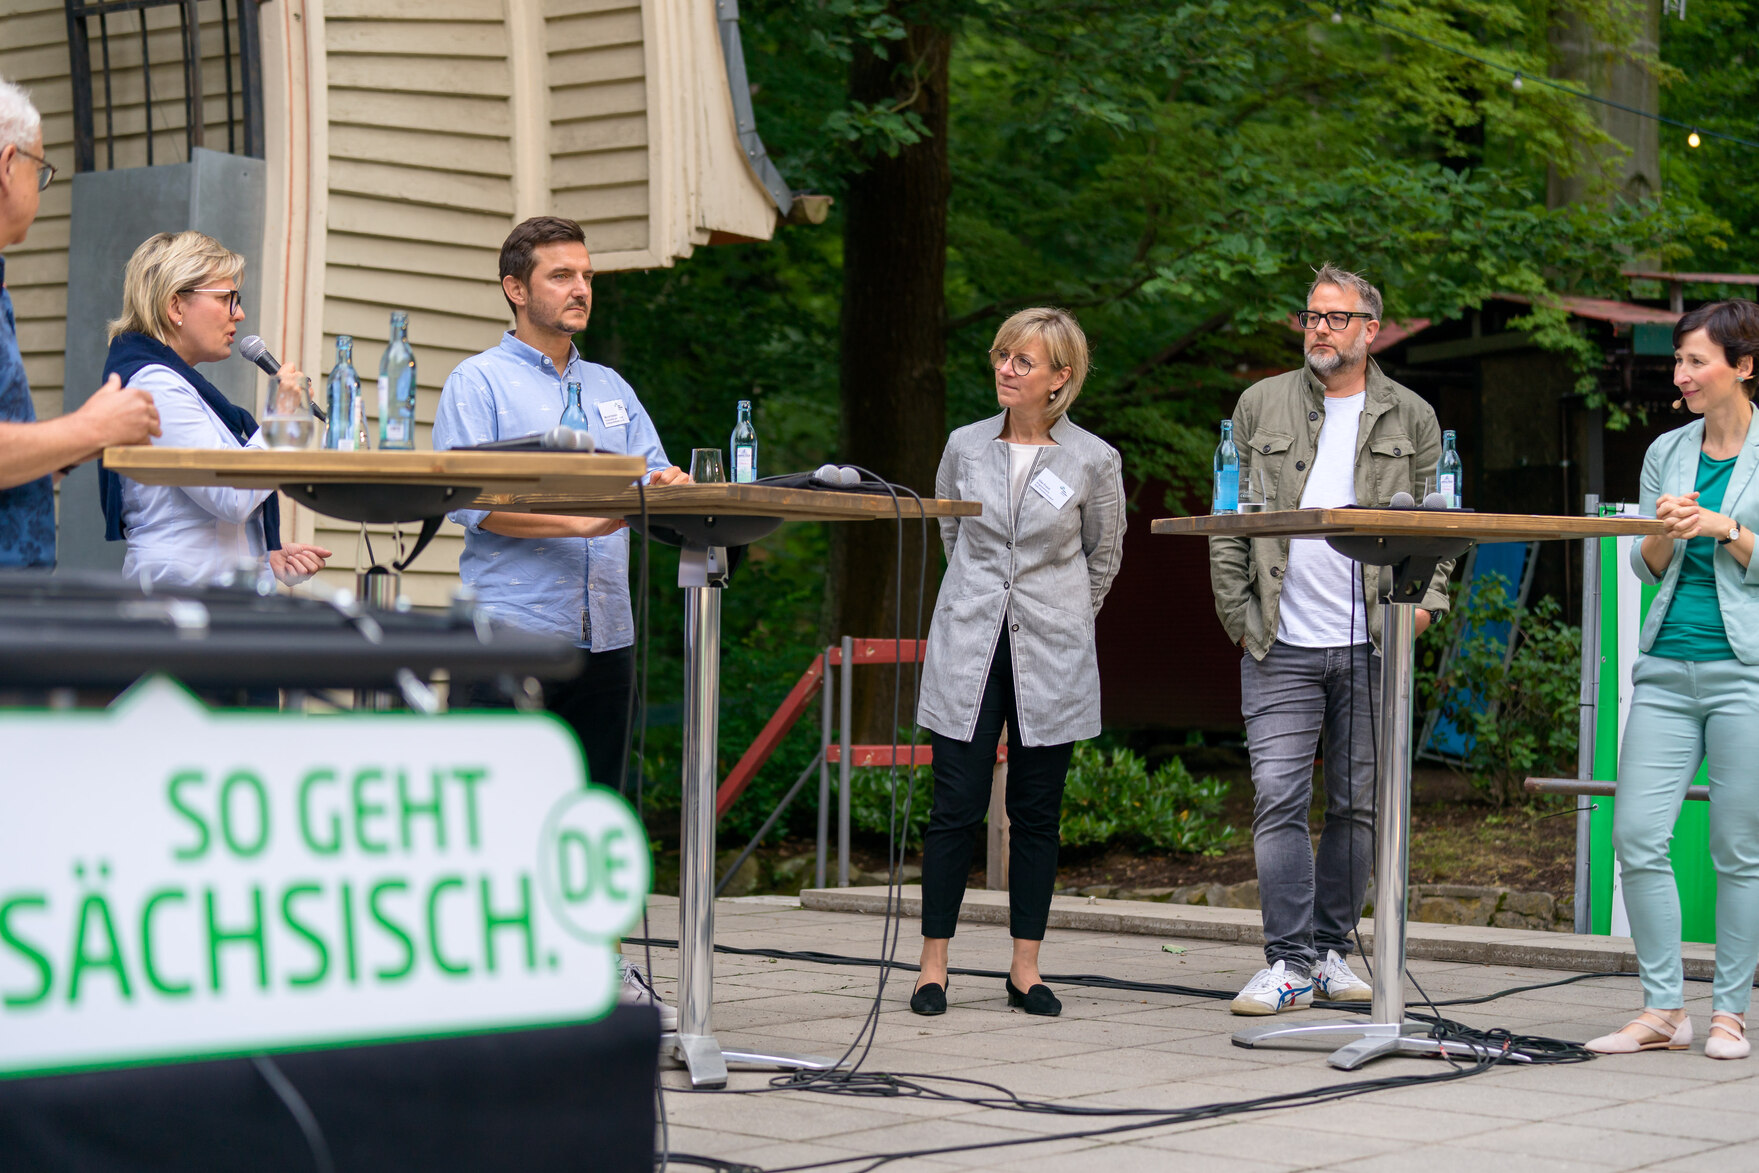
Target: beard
(1332, 360)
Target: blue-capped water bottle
(744, 445)
(397, 387)
(574, 415)
(1227, 473)
(344, 398)
(1448, 472)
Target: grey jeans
(1295, 700)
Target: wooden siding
(34, 54)
(420, 196)
(598, 137)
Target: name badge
(613, 413)
(1050, 486)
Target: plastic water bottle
(397, 387)
(1227, 472)
(574, 415)
(1447, 472)
(744, 445)
(343, 398)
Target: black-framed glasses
(234, 298)
(1018, 364)
(45, 169)
(1336, 319)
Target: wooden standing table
(1411, 542)
(703, 520)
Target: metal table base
(695, 1044)
(1386, 1031)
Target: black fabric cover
(564, 1098)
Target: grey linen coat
(1042, 571)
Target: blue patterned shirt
(27, 511)
(572, 587)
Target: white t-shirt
(1319, 583)
(1020, 458)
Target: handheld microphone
(252, 347)
(1402, 500)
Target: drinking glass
(706, 467)
(1253, 498)
(289, 423)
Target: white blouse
(182, 534)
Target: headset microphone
(252, 347)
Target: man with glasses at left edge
(33, 454)
(1334, 432)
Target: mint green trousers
(1682, 712)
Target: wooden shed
(401, 140)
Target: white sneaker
(1333, 981)
(1274, 990)
(638, 991)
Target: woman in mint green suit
(1696, 686)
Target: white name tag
(1050, 486)
(613, 413)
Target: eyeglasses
(45, 169)
(1336, 319)
(1017, 364)
(234, 298)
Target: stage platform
(1674, 1111)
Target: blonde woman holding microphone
(1696, 687)
(1011, 642)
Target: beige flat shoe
(1652, 1033)
(1728, 1037)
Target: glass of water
(289, 422)
(1253, 498)
(706, 466)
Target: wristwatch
(1733, 533)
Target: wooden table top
(727, 500)
(1321, 523)
(256, 468)
(587, 484)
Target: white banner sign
(176, 882)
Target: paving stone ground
(1669, 1111)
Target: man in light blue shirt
(551, 574)
(556, 575)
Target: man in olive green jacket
(1336, 432)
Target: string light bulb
(1692, 139)
(1337, 16)
(1517, 83)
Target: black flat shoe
(929, 1000)
(1037, 1000)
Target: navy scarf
(129, 353)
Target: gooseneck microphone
(252, 347)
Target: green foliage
(1108, 799)
(877, 800)
(1114, 799)
(1528, 728)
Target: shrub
(1114, 799)
(1109, 798)
(1521, 716)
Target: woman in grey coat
(1012, 638)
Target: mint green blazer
(1671, 466)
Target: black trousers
(595, 704)
(963, 772)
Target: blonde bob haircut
(166, 264)
(1064, 343)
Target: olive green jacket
(1276, 427)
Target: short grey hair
(1330, 274)
(19, 120)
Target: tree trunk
(893, 371)
(1607, 71)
